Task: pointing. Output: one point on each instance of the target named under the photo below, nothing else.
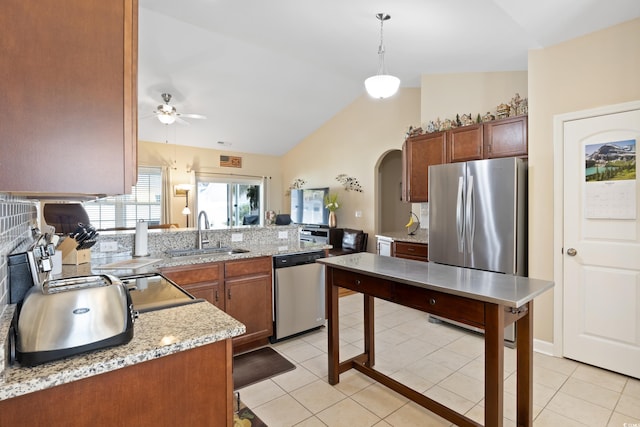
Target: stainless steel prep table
(489, 301)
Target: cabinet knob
(216, 295)
(432, 301)
(229, 293)
(357, 281)
(572, 252)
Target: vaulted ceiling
(266, 74)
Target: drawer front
(246, 267)
(185, 275)
(460, 309)
(378, 288)
(414, 250)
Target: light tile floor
(444, 363)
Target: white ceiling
(269, 73)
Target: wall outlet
(283, 234)
(108, 246)
(358, 214)
(236, 237)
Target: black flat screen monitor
(308, 207)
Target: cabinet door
(201, 281)
(248, 300)
(465, 143)
(211, 291)
(69, 95)
(418, 154)
(248, 297)
(506, 138)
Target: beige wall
(595, 70)
(445, 95)
(353, 142)
(181, 158)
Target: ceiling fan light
(382, 85)
(167, 119)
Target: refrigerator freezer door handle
(460, 214)
(470, 214)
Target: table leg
(494, 365)
(369, 330)
(333, 347)
(524, 363)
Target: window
(230, 201)
(144, 203)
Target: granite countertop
(421, 236)
(497, 288)
(156, 334)
(160, 260)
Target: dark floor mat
(250, 368)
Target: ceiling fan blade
(192, 116)
(182, 122)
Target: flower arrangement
(331, 202)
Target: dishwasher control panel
(291, 260)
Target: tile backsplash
(17, 217)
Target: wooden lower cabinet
(201, 281)
(247, 284)
(242, 288)
(189, 388)
(408, 250)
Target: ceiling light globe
(167, 119)
(382, 86)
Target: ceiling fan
(167, 114)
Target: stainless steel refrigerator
(477, 216)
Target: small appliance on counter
(70, 316)
(64, 317)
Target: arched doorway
(392, 212)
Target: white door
(601, 258)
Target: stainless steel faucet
(200, 239)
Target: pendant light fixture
(382, 85)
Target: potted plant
(331, 203)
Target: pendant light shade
(382, 85)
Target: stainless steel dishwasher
(298, 294)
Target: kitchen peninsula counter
(156, 334)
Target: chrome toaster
(69, 316)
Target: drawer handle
(411, 250)
(432, 301)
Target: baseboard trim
(544, 347)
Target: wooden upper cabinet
(506, 138)
(418, 153)
(465, 143)
(69, 96)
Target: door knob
(571, 252)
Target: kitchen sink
(205, 251)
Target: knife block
(71, 255)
